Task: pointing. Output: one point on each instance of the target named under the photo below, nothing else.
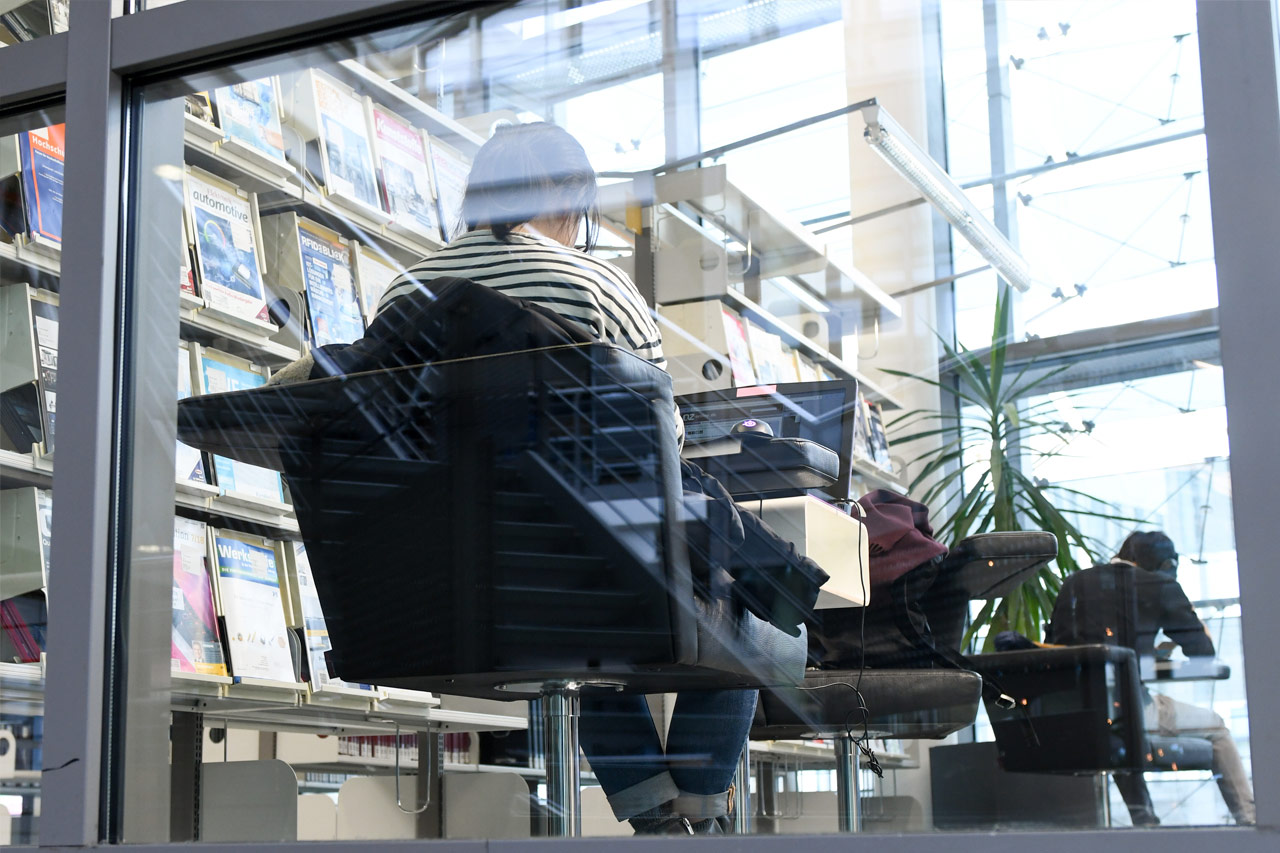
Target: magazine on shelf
(879, 442)
(189, 464)
(43, 157)
(186, 273)
(309, 259)
(766, 354)
(806, 370)
(252, 610)
(28, 368)
(249, 115)
(864, 442)
(333, 308)
(44, 318)
(315, 631)
(23, 626)
(343, 132)
(26, 522)
(195, 645)
(374, 274)
(451, 170)
(220, 372)
(221, 222)
(739, 350)
(405, 171)
(198, 106)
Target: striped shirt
(575, 285)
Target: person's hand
(1164, 650)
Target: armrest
(992, 565)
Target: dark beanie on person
(1148, 549)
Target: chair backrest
(507, 513)
(1097, 605)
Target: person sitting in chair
(531, 192)
(1083, 614)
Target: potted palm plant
(975, 476)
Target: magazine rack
(509, 527)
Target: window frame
(107, 54)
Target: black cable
(873, 763)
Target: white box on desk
(831, 538)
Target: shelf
(25, 469)
(18, 257)
(874, 474)
(354, 222)
(209, 504)
(798, 341)
(212, 329)
(389, 94)
(254, 174)
(783, 247)
(823, 752)
(22, 689)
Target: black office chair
(1079, 712)
(508, 526)
(917, 700)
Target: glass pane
(485, 412)
(31, 166)
(25, 20)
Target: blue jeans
(708, 731)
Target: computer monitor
(822, 412)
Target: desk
(830, 537)
(1188, 669)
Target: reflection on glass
(31, 168)
(464, 426)
(26, 20)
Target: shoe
(661, 825)
(722, 825)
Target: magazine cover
(248, 480)
(766, 353)
(197, 105)
(195, 646)
(221, 222)
(406, 175)
(451, 171)
(739, 350)
(189, 462)
(186, 275)
(249, 113)
(314, 627)
(879, 440)
(43, 157)
(44, 522)
(44, 315)
(344, 140)
(252, 609)
(374, 275)
(23, 625)
(334, 310)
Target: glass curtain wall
(1106, 188)
(369, 558)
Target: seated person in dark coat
(1090, 609)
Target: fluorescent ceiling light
(897, 147)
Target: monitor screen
(822, 412)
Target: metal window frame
(93, 66)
